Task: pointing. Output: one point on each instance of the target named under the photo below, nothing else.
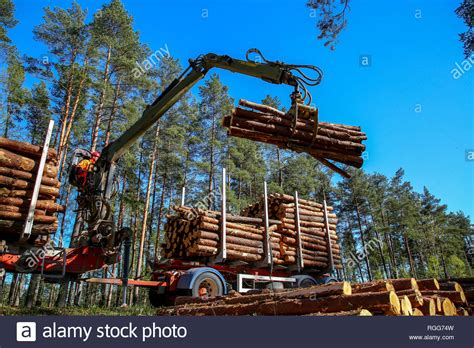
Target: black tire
(326, 280)
(210, 282)
(158, 300)
(305, 281)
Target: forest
(89, 84)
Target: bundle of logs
(196, 233)
(409, 297)
(19, 164)
(313, 233)
(324, 141)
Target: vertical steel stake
(183, 196)
(298, 233)
(266, 245)
(328, 232)
(126, 262)
(39, 176)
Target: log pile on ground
(315, 249)
(384, 297)
(324, 141)
(191, 233)
(19, 164)
(465, 286)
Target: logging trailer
(98, 241)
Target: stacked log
(324, 141)
(193, 233)
(19, 164)
(313, 234)
(467, 285)
(338, 299)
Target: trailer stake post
(183, 196)
(328, 235)
(126, 262)
(299, 251)
(267, 252)
(39, 176)
(222, 255)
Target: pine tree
(14, 93)
(119, 49)
(37, 113)
(67, 37)
(215, 103)
(7, 21)
(273, 154)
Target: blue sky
(411, 71)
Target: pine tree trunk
(100, 103)
(70, 295)
(103, 293)
(7, 120)
(63, 219)
(13, 285)
(410, 258)
(67, 103)
(362, 238)
(379, 244)
(110, 290)
(16, 293)
(112, 112)
(32, 292)
(2, 286)
(146, 207)
(160, 214)
(52, 291)
(62, 294)
(388, 240)
(135, 224)
(39, 297)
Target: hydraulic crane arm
(272, 72)
(94, 201)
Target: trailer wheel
(304, 281)
(207, 284)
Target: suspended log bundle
(324, 141)
(19, 163)
(335, 299)
(313, 230)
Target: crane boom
(94, 200)
(272, 72)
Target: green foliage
(37, 114)
(456, 267)
(7, 21)
(433, 267)
(331, 19)
(90, 84)
(13, 92)
(465, 11)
